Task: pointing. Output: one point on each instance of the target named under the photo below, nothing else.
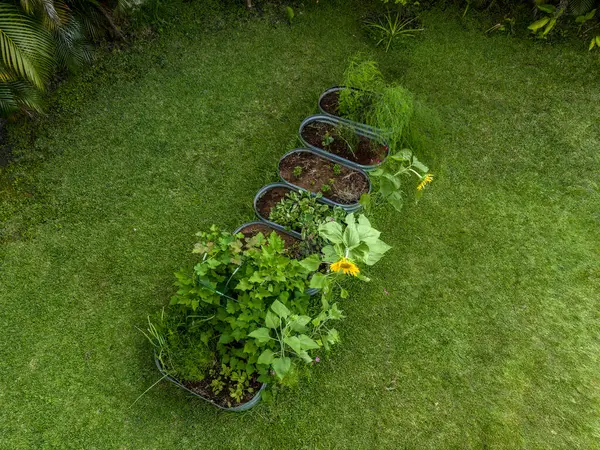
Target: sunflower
(425, 181)
(345, 266)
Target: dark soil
(252, 230)
(330, 103)
(367, 151)
(223, 398)
(347, 186)
(269, 199)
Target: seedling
(297, 171)
(337, 169)
(327, 139)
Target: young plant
(337, 170)
(542, 27)
(287, 339)
(389, 29)
(388, 179)
(327, 139)
(349, 246)
(297, 171)
(325, 188)
(302, 212)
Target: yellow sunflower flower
(346, 266)
(425, 181)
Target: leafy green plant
(337, 169)
(288, 338)
(388, 178)
(362, 80)
(349, 245)
(297, 171)
(302, 212)
(391, 28)
(232, 287)
(327, 139)
(39, 37)
(392, 111)
(237, 380)
(181, 353)
(542, 27)
(326, 188)
(584, 18)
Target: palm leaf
(46, 9)
(580, 7)
(25, 47)
(71, 48)
(18, 95)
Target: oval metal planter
(332, 120)
(243, 407)
(352, 123)
(275, 225)
(348, 208)
(259, 194)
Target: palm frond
(19, 95)
(71, 48)
(25, 47)
(580, 7)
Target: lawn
(490, 334)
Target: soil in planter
(291, 243)
(330, 103)
(269, 199)
(223, 398)
(347, 187)
(367, 153)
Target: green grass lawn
(490, 334)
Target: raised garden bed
(340, 184)
(266, 198)
(329, 104)
(202, 390)
(342, 142)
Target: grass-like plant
(391, 28)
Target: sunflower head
(425, 181)
(345, 266)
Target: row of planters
(260, 307)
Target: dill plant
(363, 80)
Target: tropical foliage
(40, 37)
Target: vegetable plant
(389, 178)
(302, 212)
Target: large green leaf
(280, 309)
(16, 95)
(271, 320)
(539, 24)
(311, 263)
(262, 335)
(282, 366)
(266, 357)
(25, 46)
(332, 231)
(351, 237)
